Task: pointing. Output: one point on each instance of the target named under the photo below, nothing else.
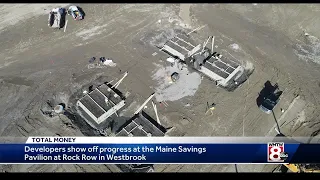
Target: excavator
(303, 168)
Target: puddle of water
(186, 85)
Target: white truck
(55, 18)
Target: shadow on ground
(82, 12)
(63, 19)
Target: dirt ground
(38, 63)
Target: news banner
(159, 150)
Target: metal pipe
(156, 112)
(118, 83)
(65, 26)
(205, 44)
(196, 29)
(110, 82)
(141, 107)
(212, 44)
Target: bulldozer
(303, 168)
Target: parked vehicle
(270, 98)
(75, 13)
(269, 103)
(55, 18)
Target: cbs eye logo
(276, 152)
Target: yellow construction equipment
(303, 168)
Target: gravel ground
(38, 63)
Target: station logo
(276, 152)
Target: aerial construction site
(159, 70)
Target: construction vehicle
(303, 168)
(269, 97)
